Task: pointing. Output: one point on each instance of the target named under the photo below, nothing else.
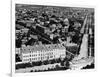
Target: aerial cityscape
(53, 38)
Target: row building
(42, 52)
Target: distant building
(34, 36)
(18, 31)
(42, 53)
(25, 30)
(47, 31)
(40, 28)
(17, 50)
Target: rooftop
(35, 48)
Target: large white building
(42, 52)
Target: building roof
(35, 48)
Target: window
(41, 54)
(32, 58)
(50, 56)
(38, 58)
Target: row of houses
(42, 52)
